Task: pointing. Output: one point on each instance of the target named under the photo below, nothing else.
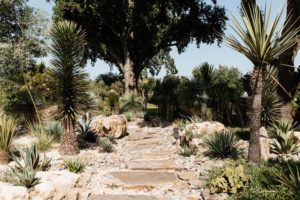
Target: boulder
(264, 144)
(55, 185)
(204, 128)
(114, 124)
(11, 192)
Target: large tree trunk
(68, 143)
(256, 109)
(286, 71)
(130, 79)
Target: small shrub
(54, 128)
(7, 133)
(284, 140)
(106, 145)
(231, 181)
(74, 165)
(187, 151)
(186, 138)
(222, 145)
(112, 138)
(132, 103)
(44, 140)
(85, 130)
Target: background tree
(67, 49)
(129, 33)
(22, 40)
(287, 60)
(259, 42)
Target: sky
(193, 56)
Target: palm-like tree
(67, 49)
(257, 38)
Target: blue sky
(193, 56)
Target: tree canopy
(129, 33)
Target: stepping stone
(155, 155)
(144, 144)
(141, 135)
(119, 197)
(139, 179)
(154, 165)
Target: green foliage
(26, 167)
(186, 138)
(67, 48)
(292, 180)
(112, 100)
(106, 145)
(284, 140)
(271, 102)
(44, 139)
(7, 132)
(112, 138)
(165, 96)
(147, 29)
(74, 165)
(132, 103)
(222, 145)
(85, 130)
(54, 128)
(187, 151)
(231, 181)
(17, 103)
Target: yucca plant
(67, 48)
(7, 133)
(44, 139)
(222, 145)
(284, 140)
(74, 165)
(258, 39)
(291, 180)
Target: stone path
(149, 168)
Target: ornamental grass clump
(7, 133)
(222, 145)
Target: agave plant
(74, 165)
(284, 140)
(258, 40)
(222, 144)
(67, 48)
(7, 133)
(85, 129)
(27, 166)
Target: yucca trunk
(4, 157)
(256, 110)
(68, 143)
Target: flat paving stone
(141, 135)
(139, 179)
(120, 197)
(154, 155)
(154, 165)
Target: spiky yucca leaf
(7, 132)
(257, 36)
(292, 180)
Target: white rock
(11, 192)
